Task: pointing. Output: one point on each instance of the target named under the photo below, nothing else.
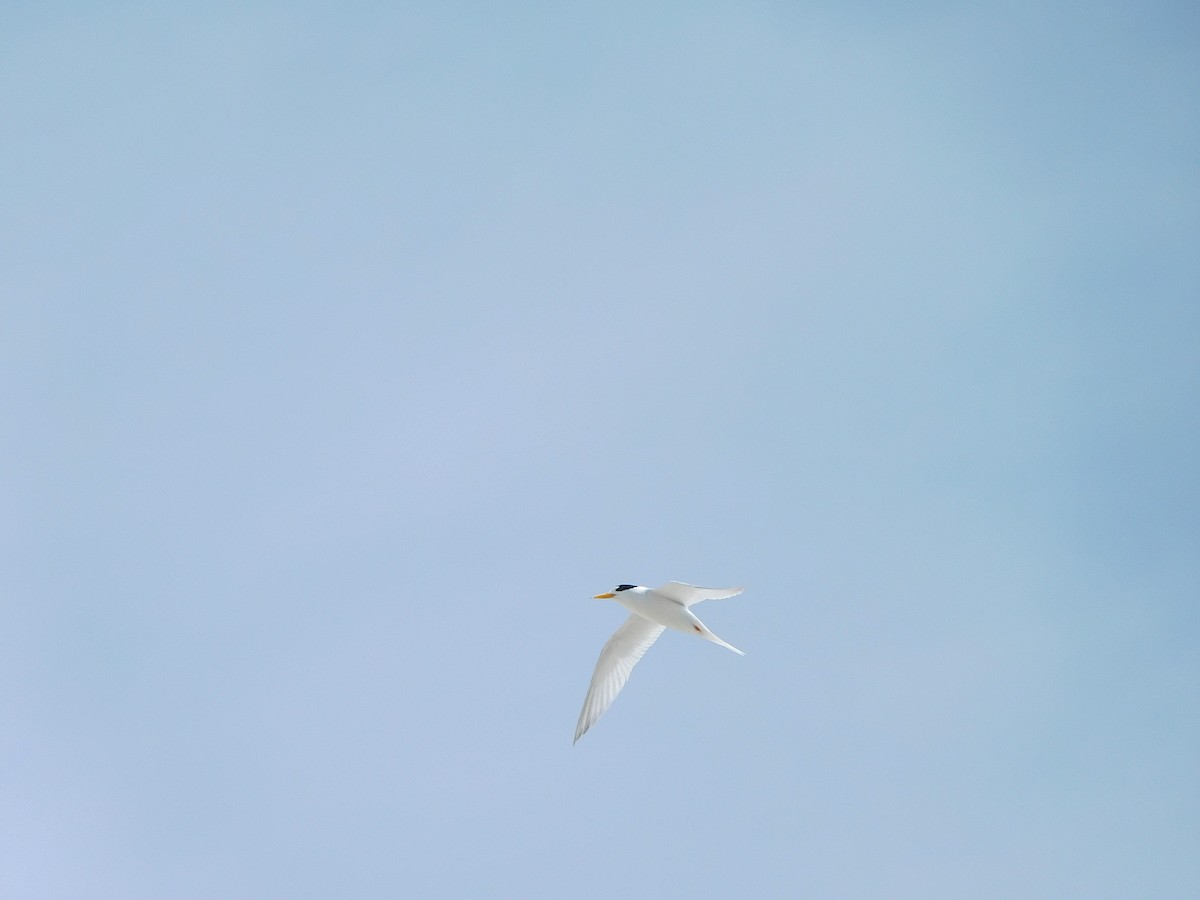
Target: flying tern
(653, 609)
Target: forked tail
(708, 635)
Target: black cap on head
(625, 587)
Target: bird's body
(653, 610)
(662, 610)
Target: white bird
(653, 610)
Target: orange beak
(604, 596)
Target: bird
(651, 611)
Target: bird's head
(615, 591)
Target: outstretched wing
(690, 594)
(627, 645)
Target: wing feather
(622, 652)
(690, 594)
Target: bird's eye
(625, 587)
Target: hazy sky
(346, 351)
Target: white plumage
(653, 610)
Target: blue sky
(346, 353)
